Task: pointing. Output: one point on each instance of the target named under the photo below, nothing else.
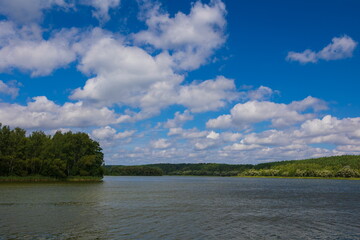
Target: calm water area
(182, 208)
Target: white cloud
(203, 145)
(309, 103)
(191, 38)
(160, 143)
(327, 136)
(230, 136)
(187, 133)
(349, 149)
(45, 114)
(262, 93)
(179, 119)
(242, 147)
(269, 138)
(209, 95)
(28, 11)
(129, 76)
(242, 115)
(329, 125)
(32, 11)
(9, 89)
(102, 8)
(342, 47)
(296, 143)
(109, 133)
(25, 49)
(307, 56)
(123, 73)
(213, 135)
(339, 48)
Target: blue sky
(186, 81)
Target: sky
(186, 81)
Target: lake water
(182, 208)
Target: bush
(347, 172)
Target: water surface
(182, 208)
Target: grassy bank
(44, 179)
(331, 178)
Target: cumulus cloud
(242, 147)
(161, 143)
(187, 133)
(126, 75)
(209, 95)
(242, 115)
(179, 119)
(329, 125)
(262, 93)
(102, 8)
(314, 138)
(213, 135)
(9, 89)
(26, 11)
(204, 144)
(342, 133)
(25, 49)
(46, 114)
(230, 136)
(339, 48)
(191, 38)
(123, 73)
(109, 133)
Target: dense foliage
(337, 166)
(132, 171)
(62, 155)
(202, 169)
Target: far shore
(333, 178)
(87, 179)
(43, 179)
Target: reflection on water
(182, 208)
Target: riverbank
(32, 179)
(329, 178)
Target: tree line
(337, 166)
(132, 171)
(345, 166)
(202, 169)
(61, 155)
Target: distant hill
(336, 166)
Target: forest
(194, 169)
(202, 169)
(61, 156)
(347, 166)
(132, 171)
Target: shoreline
(331, 178)
(43, 179)
(80, 179)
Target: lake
(182, 208)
